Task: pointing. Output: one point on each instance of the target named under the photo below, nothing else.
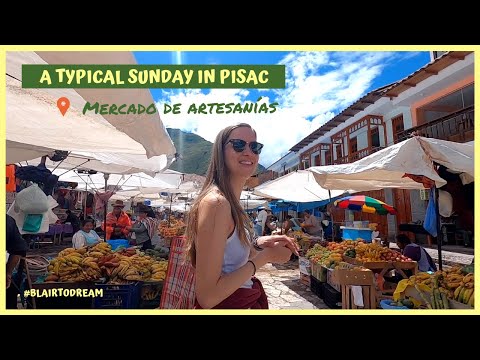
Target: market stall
(124, 278)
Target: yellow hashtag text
(63, 293)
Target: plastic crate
(117, 243)
(385, 304)
(317, 287)
(124, 296)
(354, 234)
(331, 297)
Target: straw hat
(118, 203)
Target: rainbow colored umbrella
(366, 204)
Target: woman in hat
(220, 240)
(119, 218)
(144, 228)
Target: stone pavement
(284, 290)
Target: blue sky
(319, 85)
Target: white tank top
(235, 256)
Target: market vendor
(86, 236)
(119, 218)
(311, 224)
(144, 228)
(287, 224)
(416, 253)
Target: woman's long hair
(219, 176)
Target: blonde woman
(219, 234)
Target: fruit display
(324, 257)
(301, 239)
(376, 252)
(170, 229)
(465, 292)
(90, 264)
(437, 289)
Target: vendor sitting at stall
(311, 224)
(86, 236)
(416, 253)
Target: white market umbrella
(146, 129)
(297, 186)
(35, 127)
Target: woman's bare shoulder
(214, 199)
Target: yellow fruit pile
(159, 270)
(376, 252)
(75, 265)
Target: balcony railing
(357, 155)
(456, 127)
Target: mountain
(194, 153)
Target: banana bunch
(159, 270)
(66, 268)
(421, 279)
(99, 250)
(126, 270)
(464, 293)
(149, 293)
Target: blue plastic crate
(124, 296)
(117, 243)
(385, 304)
(354, 234)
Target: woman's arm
(138, 228)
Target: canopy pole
(85, 205)
(439, 238)
(331, 215)
(105, 176)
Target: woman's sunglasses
(239, 145)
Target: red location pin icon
(63, 104)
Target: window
(328, 158)
(375, 137)
(338, 149)
(453, 102)
(398, 127)
(353, 145)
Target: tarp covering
(139, 127)
(35, 127)
(387, 168)
(139, 182)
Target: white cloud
(318, 86)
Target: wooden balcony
(456, 127)
(356, 155)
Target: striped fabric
(179, 285)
